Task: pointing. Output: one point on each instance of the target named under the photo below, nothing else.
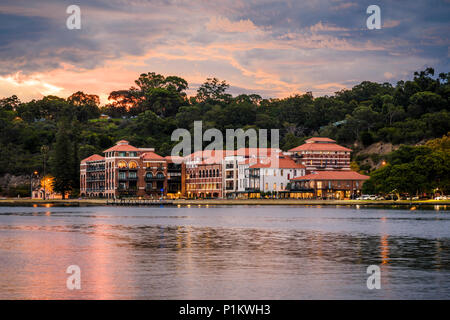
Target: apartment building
(92, 177)
(272, 175)
(321, 153)
(128, 171)
(234, 164)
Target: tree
(62, 160)
(212, 89)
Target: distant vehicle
(372, 197)
(415, 198)
(441, 198)
(380, 198)
(363, 197)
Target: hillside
(372, 118)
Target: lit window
(122, 164)
(132, 165)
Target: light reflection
(384, 249)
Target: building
(155, 172)
(204, 174)
(234, 164)
(320, 153)
(328, 185)
(272, 176)
(127, 171)
(92, 177)
(176, 177)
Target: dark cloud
(269, 44)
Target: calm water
(224, 252)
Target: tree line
(147, 113)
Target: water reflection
(215, 253)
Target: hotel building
(127, 171)
(328, 185)
(322, 154)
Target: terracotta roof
(149, 155)
(283, 163)
(249, 161)
(94, 157)
(176, 159)
(319, 139)
(320, 147)
(210, 156)
(122, 145)
(258, 152)
(334, 175)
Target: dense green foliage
(414, 170)
(147, 114)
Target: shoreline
(231, 202)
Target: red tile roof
(122, 145)
(175, 159)
(334, 175)
(94, 157)
(320, 147)
(149, 155)
(283, 163)
(319, 139)
(258, 152)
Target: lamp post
(44, 152)
(35, 173)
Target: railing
(95, 190)
(92, 179)
(91, 169)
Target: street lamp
(35, 173)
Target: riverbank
(222, 202)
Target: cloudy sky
(274, 48)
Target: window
(149, 175)
(266, 187)
(133, 154)
(132, 175)
(160, 175)
(275, 187)
(122, 175)
(122, 164)
(132, 165)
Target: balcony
(95, 179)
(149, 178)
(99, 189)
(94, 169)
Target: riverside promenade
(213, 202)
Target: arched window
(160, 175)
(149, 175)
(122, 164)
(132, 165)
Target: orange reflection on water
(384, 249)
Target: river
(224, 252)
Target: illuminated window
(132, 165)
(122, 164)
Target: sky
(269, 47)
